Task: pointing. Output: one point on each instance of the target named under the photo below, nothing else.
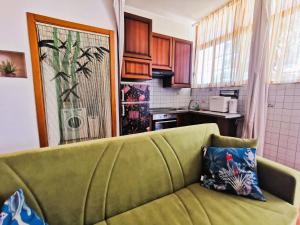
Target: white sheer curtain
(257, 90)
(223, 41)
(254, 40)
(285, 41)
(275, 58)
(119, 6)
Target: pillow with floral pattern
(231, 170)
(15, 211)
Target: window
(223, 45)
(285, 41)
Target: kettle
(232, 103)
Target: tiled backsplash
(201, 95)
(167, 97)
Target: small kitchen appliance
(232, 105)
(218, 103)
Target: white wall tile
(297, 91)
(288, 98)
(167, 97)
(285, 117)
(289, 91)
(279, 98)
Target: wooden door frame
(32, 19)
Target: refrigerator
(135, 116)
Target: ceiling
(191, 10)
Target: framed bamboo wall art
(74, 80)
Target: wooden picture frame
(32, 19)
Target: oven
(164, 121)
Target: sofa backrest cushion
(88, 182)
(224, 141)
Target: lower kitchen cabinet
(227, 127)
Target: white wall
(176, 27)
(18, 124)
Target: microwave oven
(219, 103)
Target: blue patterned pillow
(16, 212)
(232, 170)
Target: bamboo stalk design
(76, 72)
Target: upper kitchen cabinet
(137, 61)
(182, 63)
(138, 31)
(174, 54)
(162, 52)
(134, 68)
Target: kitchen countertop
(205, 112)
(218, 114)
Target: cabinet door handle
(167, 121)
(123, 110)
(123, 95)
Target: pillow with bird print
(231, 170)
(16, 212)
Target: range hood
(162, 74)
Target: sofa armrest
(279, 180)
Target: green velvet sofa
(144, 179)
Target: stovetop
(167, 110)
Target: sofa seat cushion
(195, 205)
(235, 210)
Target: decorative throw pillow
(232, 170)
(16, 212)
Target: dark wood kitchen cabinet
(174, 54)
(138, 31)
(144, 51)
(182, 63)
(136, 68)
(137, 60)
(180, 53)
(162, 52)
(227, 126)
